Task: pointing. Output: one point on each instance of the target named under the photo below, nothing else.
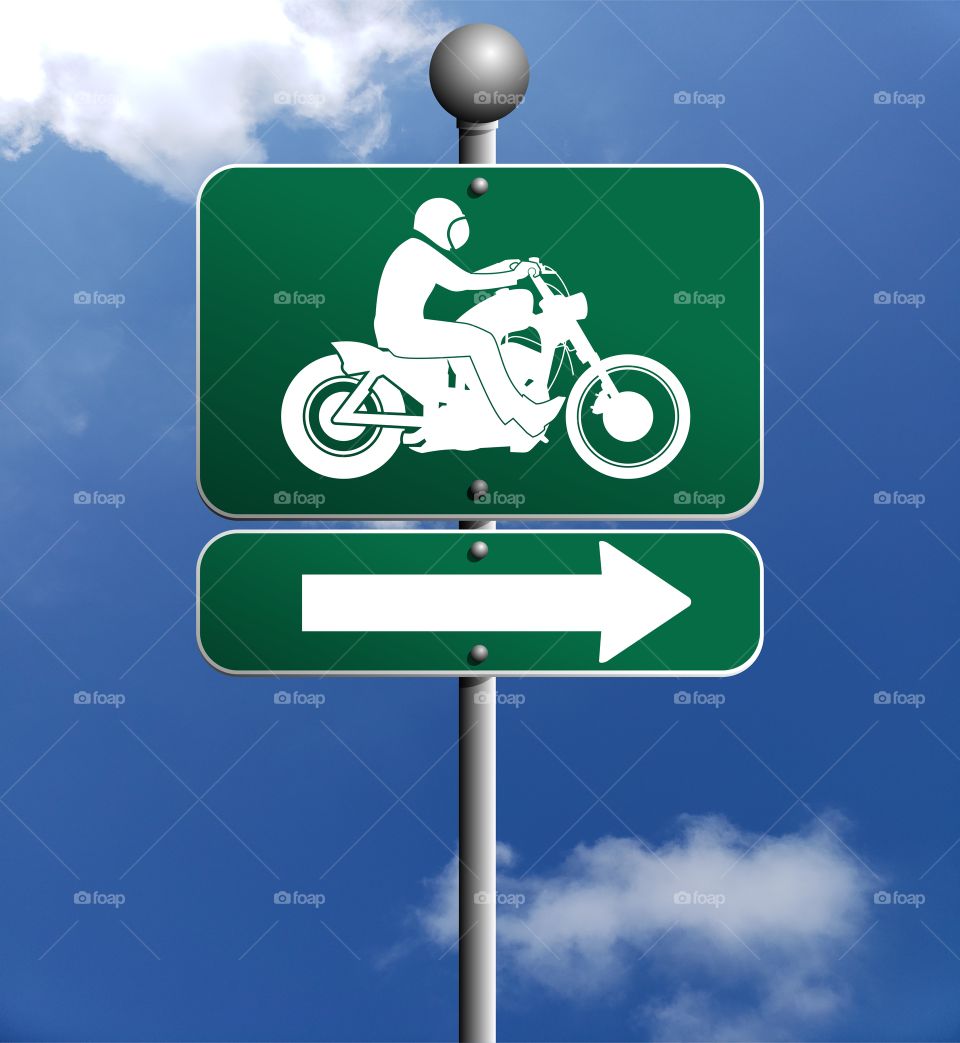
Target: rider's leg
(508, 403)
(483, 351)
(433, 339)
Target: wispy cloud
(170, 91)
(738, 935)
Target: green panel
(249, 602)
(631, 238)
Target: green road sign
(420, 602)
(585, 340)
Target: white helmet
(442, 222)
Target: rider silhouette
(412, 272)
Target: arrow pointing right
(624, 602)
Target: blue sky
(199, 797)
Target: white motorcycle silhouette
(345, 415)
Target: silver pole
(478, 853)
(478, 142)
(479, 73)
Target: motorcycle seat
(360, 358)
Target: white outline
(607, 533)
(471, 516)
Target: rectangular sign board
(587, 341)
(420, 602)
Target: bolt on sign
(587, 340)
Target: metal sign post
(478, 73)
(633, 391)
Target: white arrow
(624, 602)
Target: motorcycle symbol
(627, 416)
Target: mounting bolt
(479, 550)
(478, 653)
(478, 488)
(479, 186)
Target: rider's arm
(500, 266)
(452, 277)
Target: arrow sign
(624, 602)
(415, 602)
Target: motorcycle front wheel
(635, 433)
(337, 450)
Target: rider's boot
(533, 417)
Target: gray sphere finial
(479, 73)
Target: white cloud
(744, 953)
(171, 91)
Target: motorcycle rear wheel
(337, 450)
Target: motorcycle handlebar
(534, 267)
